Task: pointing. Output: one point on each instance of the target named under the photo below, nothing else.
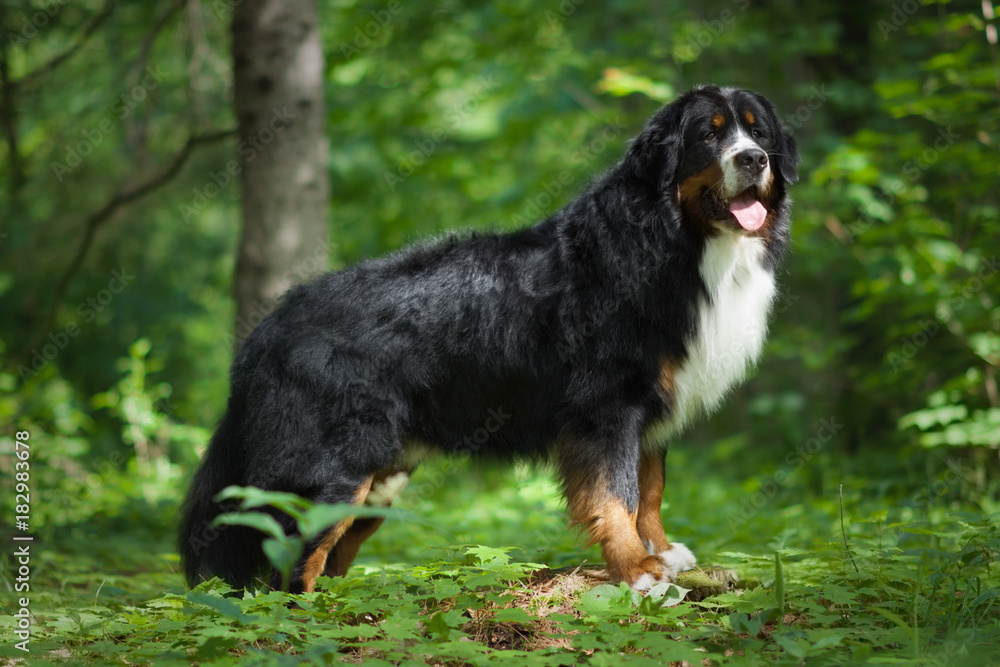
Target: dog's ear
(787, 153)
(789, 164)
(655, 154)
(786, 150)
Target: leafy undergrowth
(885, 573)
(912, 594)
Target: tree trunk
(278, 64)
(8, 121)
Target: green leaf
(600, 598)
(895, 618)
(437, 625)
(795, 647)
(741, 622)
(224, 606)
(283, 554)
(666, 594)
(489, 556)
(215, 647)
(265, 523)
(826, 638)
(252, 497)
(322, 516)
(513, 615)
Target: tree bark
(278, 65)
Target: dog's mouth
(748, 210)
(744, 209)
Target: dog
(590, 339)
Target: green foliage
(924, 591)
(86, 474)
(311, 520)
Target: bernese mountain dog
(590, 339)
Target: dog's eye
(708, 136)
(757, 134)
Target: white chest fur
(732, 327)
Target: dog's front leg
(649, 523)
(602, 491)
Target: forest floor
(842, 562)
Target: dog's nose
(753, 160)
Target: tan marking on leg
(624, 554)
(385, 486)
(346, 549)
(609, 523)
(648, 522)
(316, 562)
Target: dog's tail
(232, 553)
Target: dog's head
(722, 153)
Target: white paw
(678, 558)
(645, 582)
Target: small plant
(311, 520)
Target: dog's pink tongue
(749, 212)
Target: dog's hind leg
(346, 549)
(385, 488)
(318, 551)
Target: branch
(89, 29)
(93, 221)
(160, 24)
